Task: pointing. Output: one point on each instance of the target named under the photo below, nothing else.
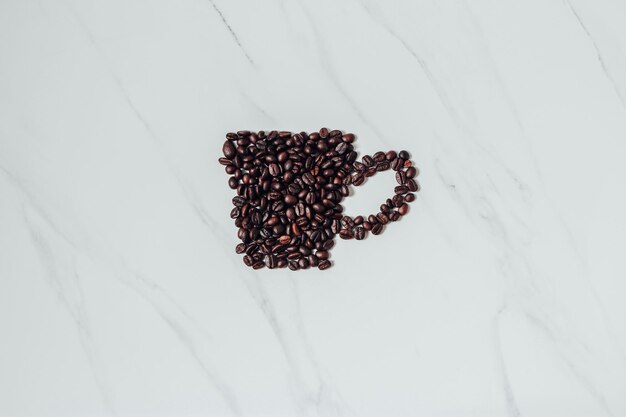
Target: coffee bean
(291, 200)
(342, 148)
(394, 216)
(258, 265)
(322, 254)
(391, 155)
(397, 164)
(401, 189)
(382, 218)
(377, 229)
(346, 234)
(409, 197)
(379, 156)
(358, 179)
(411, 172)
(225, 161)
(359, 233)
(372, 219)
(229, 150)
(400, 177)
(274, 170)
(403, 209)
(367, 225)
(412, 185)
(324, 265)
(240, 248)
(323, 133)
(348, 137)
(404, 155)
(368, 161)
(358, 220)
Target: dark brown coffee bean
(294, 266)
(401, 189)
(324, 265)
(225, 161)
(397, 164)
(382, 218)
(240, 248)
(323, 133)
(247, 260)
(411, 172)
(368, 161)
(382, 166)
(284, 239)
(379, 156)
(234, 213)
(394, 216)
(347, 222)
(367, 225)
(313, 260)
(239, 201)
(404, 209)
(358, 220)
(308, 179)
(274, 170)
(412, 185)
(322, 254)
(258, 265)
(377, 229)
(372, 219)
(404, 155)
(400, 177)
(291, 200)
(391, 155)
(358, 179)
(370, 172)
(303, 263)
(348, 137)
(342, 148)
(359, 233)
(328, 245)
(229, 150)
(409, 197)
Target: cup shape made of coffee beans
(289, 188)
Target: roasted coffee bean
(229, 150)
(359, 233)
(258, 265)
(322, 254)
(274, 170)
(377, 229)
(313, 260)
(411, 172)
(382, 218)
(225, 161)
(347, 222)
(368, 161)
(239, 201)
(303, 263)
(372, 219)
(358, 179)
(234, 213)
(324, 265)
(379, 156)
(284, 239)
(348, 137)
(412, 185)
(409, 197)
(401, 189)
(400, 177)
(382, 166)
(404, 209)
(397, 164)
(404, 155)
(291, 200)
(342, 148)
(358, 220)
(394, 216)
(240, 248)
(294, 266)
(391, 155)
(367, 225)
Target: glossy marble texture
(500, 294)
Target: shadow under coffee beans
(289, 193)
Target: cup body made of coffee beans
(289, 188)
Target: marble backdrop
(500, 294)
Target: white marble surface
(501, 295)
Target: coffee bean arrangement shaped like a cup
(289, 192)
